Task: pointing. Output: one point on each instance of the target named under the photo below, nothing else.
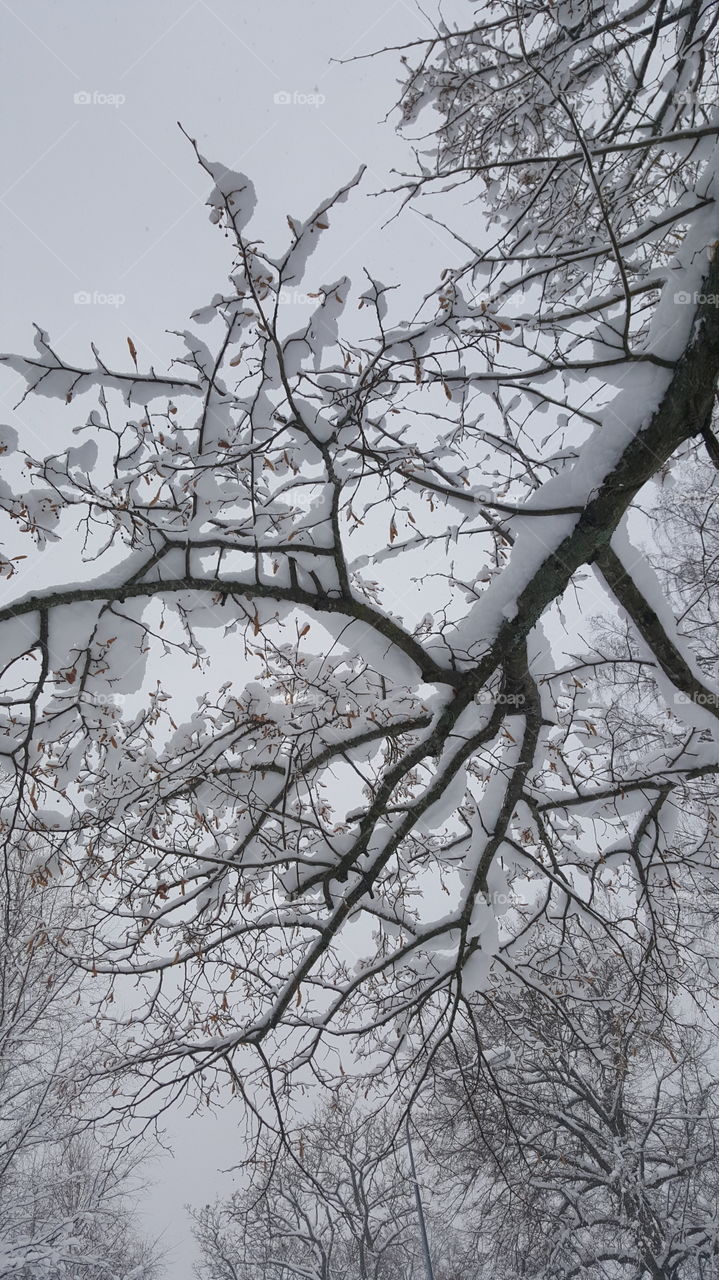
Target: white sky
(107, 199)
(100, 199)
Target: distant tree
(333, 1203)
(66, 1193)
(576, 1135)
(565, 1132)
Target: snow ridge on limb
(49, 375)
(682, 409)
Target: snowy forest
(359, 699)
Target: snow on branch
(313, 724)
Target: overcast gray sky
(104, 233)
(105, 199)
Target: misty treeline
(583, 1144)
(369, 742)
(69, 1173)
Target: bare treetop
(315, 726)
